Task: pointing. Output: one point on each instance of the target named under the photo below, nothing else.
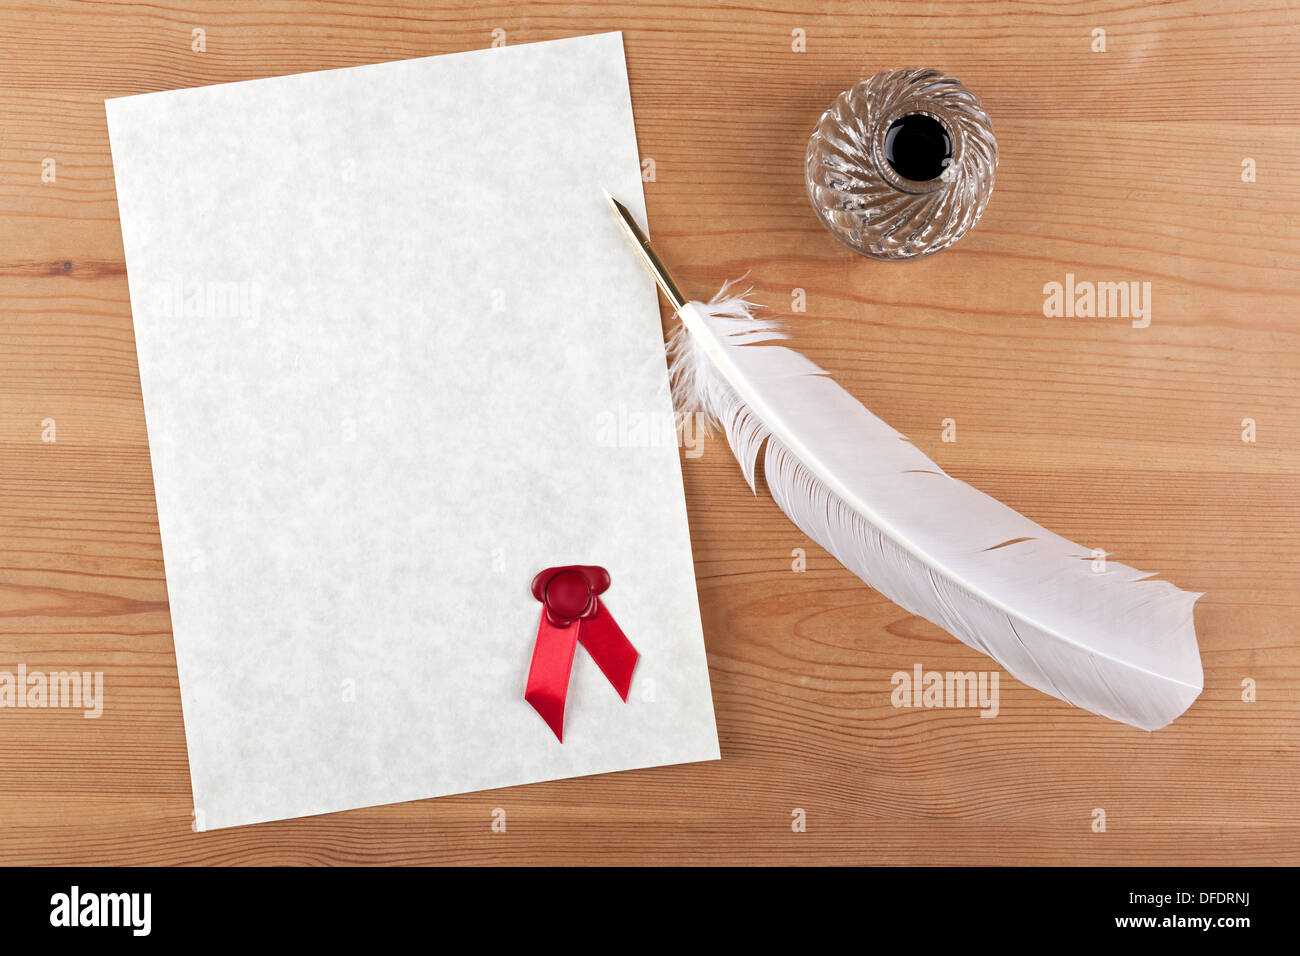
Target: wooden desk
(1123, 165)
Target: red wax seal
(569, 593)
(572, 614)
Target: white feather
(1114, 642)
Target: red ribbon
(572, 613)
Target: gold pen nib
(647, 252)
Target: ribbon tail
(609, 648)
(548, 675)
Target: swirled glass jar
(902, 165)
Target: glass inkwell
(902, 165)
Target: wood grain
(1118, 166)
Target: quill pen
(1109, 639)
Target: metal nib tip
(647, 252)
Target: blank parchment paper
(396, 358)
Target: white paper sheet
(396, 358)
